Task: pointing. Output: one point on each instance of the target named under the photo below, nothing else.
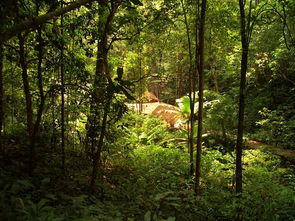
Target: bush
(277, 127)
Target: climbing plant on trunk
(101, 97)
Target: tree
(62, 113)
(33, 23)
(245, 31)
(192, 90)
(200, 70)
(28, 98)
(1, 94)
(101, 95)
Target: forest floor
(284, 153)
(144, 181)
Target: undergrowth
(144, 177)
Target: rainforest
(147, 110)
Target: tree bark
(140, 82)
(244, 65)
(41, 91)
(201, 96)
(36, 125)
(62, 113)
(2, 20)
(28, 98)
(97, 156)
(192, 90)
(1, 95)
(100, 93)
(35, 22)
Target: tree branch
(33, 23)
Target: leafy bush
(158, 168)
(277, 126)
(220, 113)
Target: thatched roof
(148, 97)
(150, 104)
(169, 113)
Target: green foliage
(184, 106)
(39, 211)
(145, 130)
(265, 197)
(264, 187)
(144, 168)
(220, 112)
(150, 182)
(277, 127)
(157, 168)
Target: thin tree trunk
(28, 98)
(215, 80)
(223, 130)
(244, 65)
(40, 80)
(53, 137)
(94, 114)
(97, 156)
(41, 92)
(140, 82)
(192, 90)
(2, 21)
(62, 98)
(188, 137)
(1, 94)
(99, 94)
(201, 98)
(36, 125)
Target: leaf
(136, 2)
(50, 196)
(42, 203)
(162, 195)
(21, 185)
(45, 181)
(147, 216)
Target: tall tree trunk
(62, 113)
(215, 80)
(97, 156)
(2, 22)
(100, 96)
(223, 130)
(97, 101)
(1, 94)
(140, 82)
(28, 98)
(40, 80)
(53, 137)
(201, 96)
(244, 65)
(192, 90)
(41, 91)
